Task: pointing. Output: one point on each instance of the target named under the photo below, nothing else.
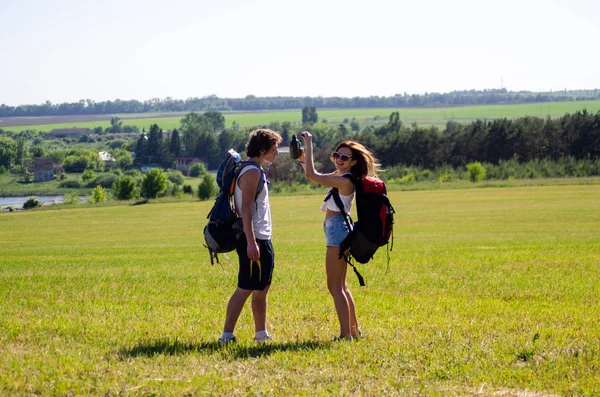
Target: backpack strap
(335, 193)
(348, 259)
(261, 181)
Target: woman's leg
(351, 305)
(335, 268)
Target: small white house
(106, 157)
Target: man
(255, 251)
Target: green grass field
(365, 116)
(489, 291)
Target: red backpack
(375, 223)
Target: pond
(17, 202)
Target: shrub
(116, 144)
(133, 173)
(207, 187)
(99, 195)
(476, 171)
(154, 184)
(71, 198)
(176, 191)
(410, 178)
(70, 184)
(25, 176)
(125, 188)
(176, 177)
(187, 189)
(168, 188)
(76, 163)
(33, 202)
(106, 180)
(197, 169)
(88, 175)
(426, 175)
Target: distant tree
(231, 139)
(8, 152)
(123, 159)
(21, 154)
(176, 177)
(207, 146)
(197, 170)
(309, 115)
(116, 125)
(125, 188)
(394, 122)
(155, 144)
(354, 125)
(207, 187)
(215, 119)
(141, 149)
(130, 128)
(190, 119)
(175, 143)
(154, 184)
(286, 129)
(193, 131)
(36, 151)
(78, 160)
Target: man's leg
(259, 309)
(234, 308)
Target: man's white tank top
(261, 210)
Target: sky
(68, 50)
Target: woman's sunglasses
(341, 156)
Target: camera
(294, 148)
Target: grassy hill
(489, 291)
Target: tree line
(251, 102)
(525, 139)
(522, 140)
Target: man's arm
(248, 182)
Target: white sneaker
(264, 339)
(225, 341)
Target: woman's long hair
(366, 163)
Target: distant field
(365, 116)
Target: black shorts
(259, 275)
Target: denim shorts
(336, 230)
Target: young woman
(349, 157)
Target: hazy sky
(66, 50)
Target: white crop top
(331, 205)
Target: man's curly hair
(261, 141)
